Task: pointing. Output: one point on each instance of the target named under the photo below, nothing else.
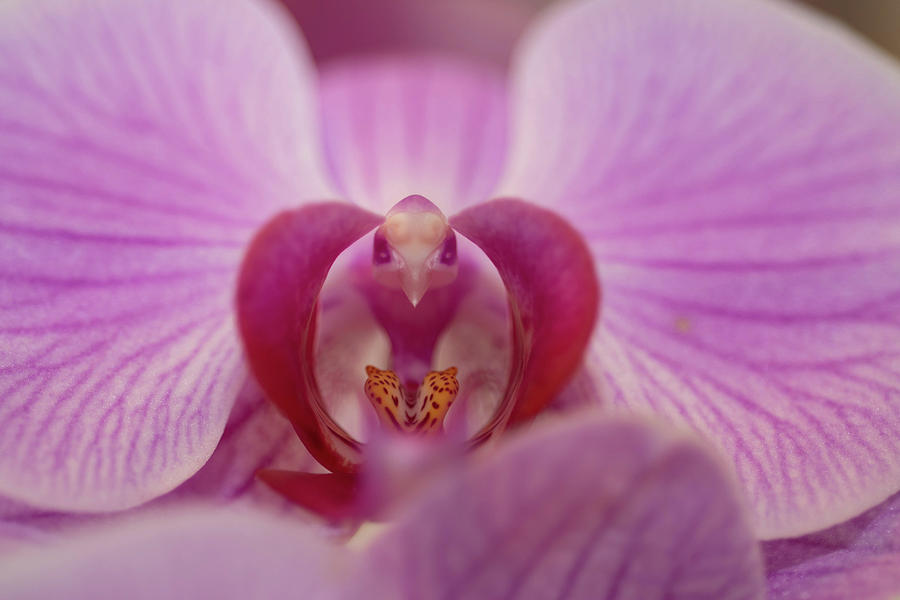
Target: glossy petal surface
(414, 126)
(584, 508)
(735, 168)
(199, 553)
(140, 145)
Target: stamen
(398, 409)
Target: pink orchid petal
(856, 559)
(256, 437)
(553, 290)
(537, 517)
(735, 167)
(543, 517)
(195, 553)
(141, 143)
(839, 576)
(22, 526)
(398, 127)
(278, 290)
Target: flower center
(407, 410)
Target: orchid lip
(546, 287)
(423, 340)
(415, 220)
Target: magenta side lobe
(280, 280)
(553, 289)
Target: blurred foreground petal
(538, 517)
(582, 508)
(186, 554)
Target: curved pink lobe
(538, 516)
(141, 144)
(734, 167)
(280, 279)
(553, 290)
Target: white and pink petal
(141, 143)
(734, 167)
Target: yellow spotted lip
(400, 410)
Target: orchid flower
(193, 219)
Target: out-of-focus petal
(18, 527)
(856, 559)
(196, 553)
(539, 516)
(278, 288)
(735, 167)
(584, 508)
(141, 143)
(481, 30)
(553, 290)
(406, 126)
